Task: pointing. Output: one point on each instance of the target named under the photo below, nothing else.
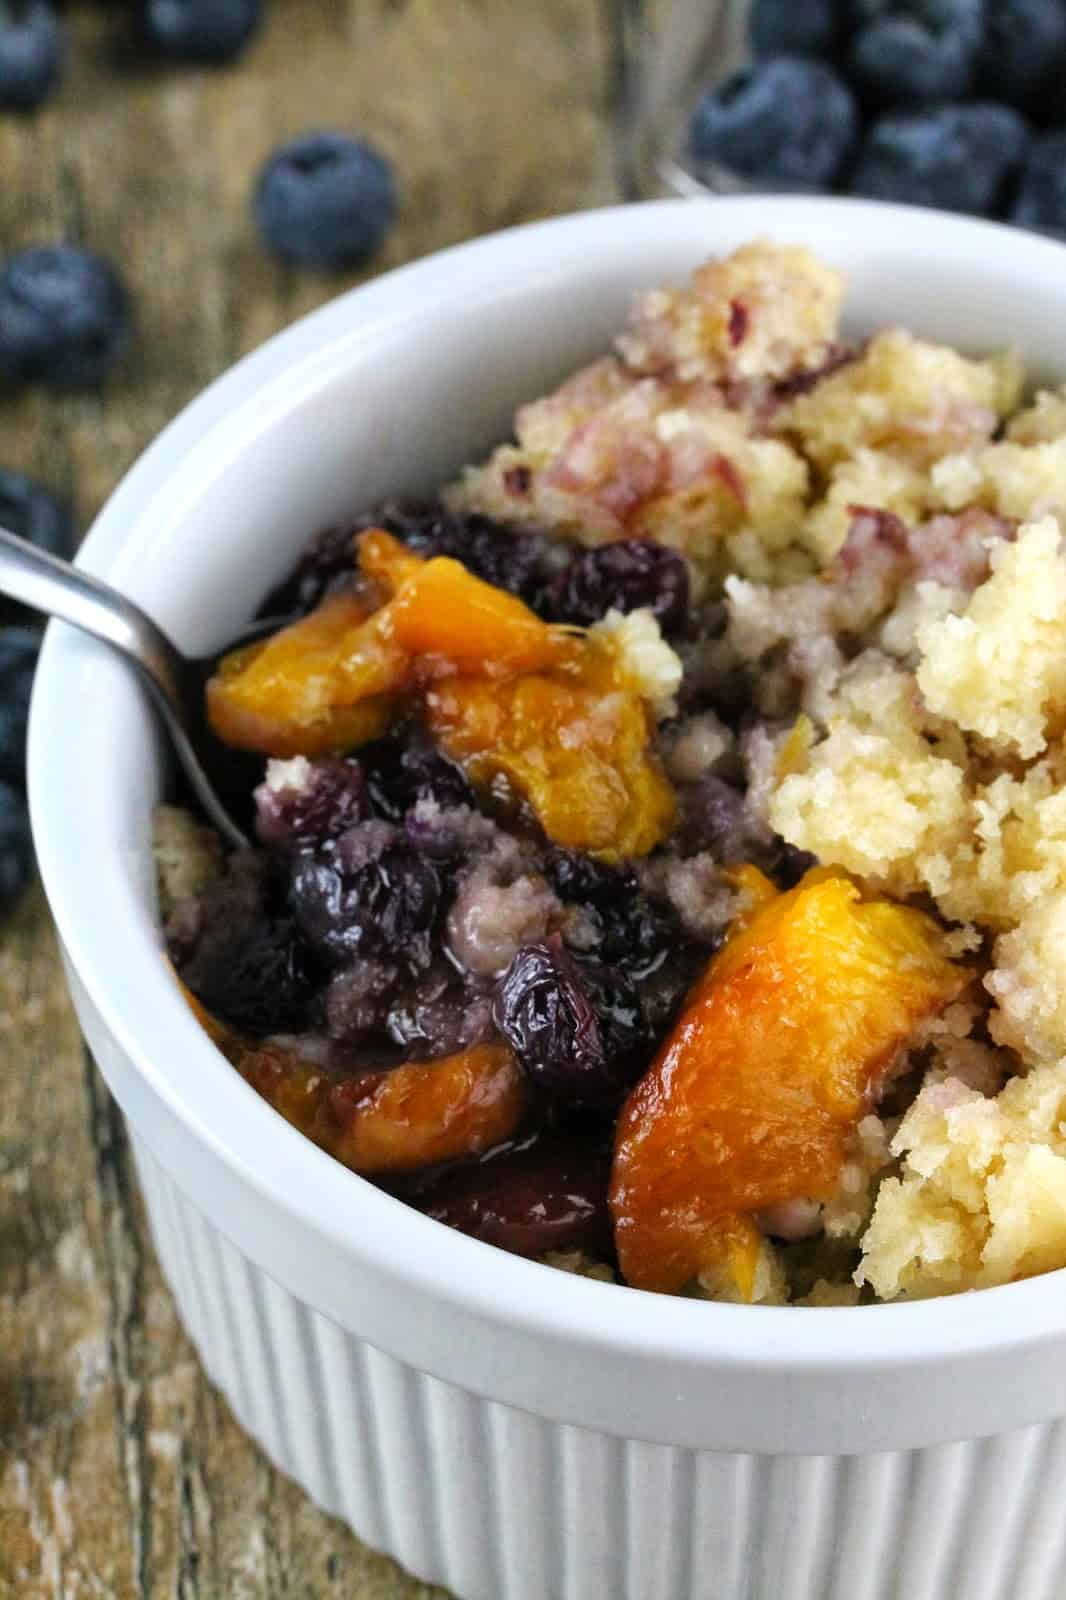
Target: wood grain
(122, 1474)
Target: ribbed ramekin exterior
(496, 1504)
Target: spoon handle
(61, 590)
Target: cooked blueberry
(521, 561)
(18, 663)
(239, 955)
(1041, 198)
(785, 120)
(64, 317)
(623, 576)
(550, 1195)
(1024, 51)
(28, 509)
(372, 897)
(958, 157)
(325, 201)
(305, 805)
(327, 564)
(401, 771)
(783, 27)
(576, 1028)
(253, 976)
(631, 931)
(913, 52)
(205, 31)
(16, 843)
(31, 53)
(439, 1013)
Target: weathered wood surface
(122, 1473)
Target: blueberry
(626, 575)
(785, 27)
(576, 1029)
(1041, 198)
(522, 561)
(399, 772)
(16, 843)
(19, 648)
(633, 933)
(255, 977)
(547, 1195)
(1024, 52)
(27, 508)
(326, 566)
(64, 317)
(206, 31)
(325, 201)
(518, 560)
(914, 52)
(372, 897)
(958, 157)
(31, 53)
(246, 962)
(784, 120)
(313, 811)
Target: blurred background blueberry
(957, 157)
(29, 510)
(31, 53)
(210, 32)
(325, 201)
(786, 119)
(64, 317)
(958, 104)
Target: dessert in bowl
(838, 668)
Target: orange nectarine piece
(781, 1047)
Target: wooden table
(122, 1473)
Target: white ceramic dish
(509, 1431)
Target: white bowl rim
(408, 1248)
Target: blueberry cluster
(953, 103)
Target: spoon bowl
(220, 778)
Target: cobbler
(661, 835)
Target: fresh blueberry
(16, 843)
(784, 120)
(624, 576)
(958, 157)
(1024, 52)
(207, 31)
(1041, 198)
(19, 648)
(27, 508)
(31, 53)
(913, 52)
(64, 317)
(325, 201)
(576, 1028)
(785, 27)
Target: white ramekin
(509, 1431)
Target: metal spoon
(175, 682)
